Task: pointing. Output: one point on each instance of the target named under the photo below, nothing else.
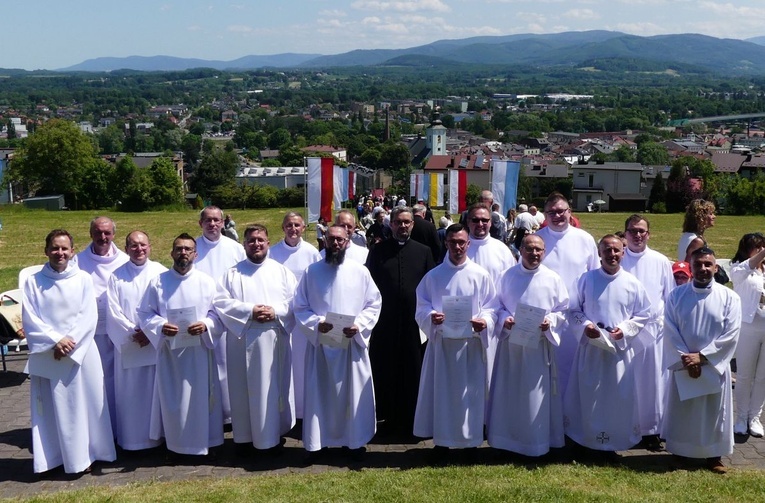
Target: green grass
(467, 483)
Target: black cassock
(395, 349)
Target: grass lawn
(21, 244)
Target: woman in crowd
(699, 216)
(749, 393)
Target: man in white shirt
(70, 416)
(295, 254)
(100, 259)
(524, 224)
(525, 413)
(600, 404)
(570, 252)
(214, 257)
(176, 316)
(452, 397)
(701, 329)
(132, 382)
(253, 300)
(339, 403)
(654, 271)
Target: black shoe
(312, 457)
(653, 443)
(356, 455)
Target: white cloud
(582, 14)
(371, 20)
(332, 13)
(402, 6)
(641, 29)
(239, 28)
(166, 7)
(194, 27)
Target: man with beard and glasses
(100, 260)
(253, 300)
(397, 265)
(176, 316)
(131, 380)
(339, 403)
(295, 254)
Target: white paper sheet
(526, 331)
(457, 308)
(45, 365)
(133, 355)
(336, 338)
(183, 317)
(708, 383)
(603, 342)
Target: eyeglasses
(637, 231)
(336, 239)
(555, 213)
(480, 220)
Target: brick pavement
(18, 480)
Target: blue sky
(54, 34)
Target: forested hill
(728, 56)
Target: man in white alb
(295, 254)
(214, 257)
(339, 403)
(702, 320)
(70, 416)
(133, 374)
(253, 300)
(100, 259)
(353, 251)
(456, 311)
(570, 252)
(175, 315)
(525, 413)
(654, 271)
(600, 404)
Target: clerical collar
(527, 270)
(697, 286)
(480, 241)
(211, 243)
(635, 254)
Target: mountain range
(586, 48)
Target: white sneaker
(739, 428)
(755, 428)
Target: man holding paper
(70, 416)
(600, 404)
(525, 413)
(456, 309)
(337, 304)
(135, 357)
(175, 315)
(253, 300)
(701, 328)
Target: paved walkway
(18, 480)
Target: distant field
(23, 234)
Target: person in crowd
(395, 348)
(681, 271)
(176, 316)
(525, 412)
(321, 230)
(253, 301)
(524, 224)
(213, 257)
(425, 232)
(570, 252)
(654, 272)
(356, 249)
(600, 404)
(229, 228)
(70, 415)
(452, 397)
(100, 259)
(539, 217)
(295, 254)
(487, 199)
(133, 375)
(339, 403)
(495, 213)
(747, 276)
(702, 320)
(443, 223)
(378, 231)
(699, 216)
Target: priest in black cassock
(397, 265)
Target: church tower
(435, 136)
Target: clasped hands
(593, 332)
(478, 324)
(63, 347)
(196, 328)
(349, 332)
(692, 362)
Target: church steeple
(435, 138)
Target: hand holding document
(134, 355)
(335, 338)
(526, 331)
(183, 317)
(458, 311)
(708, 383)
(604, 342)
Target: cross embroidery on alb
(603, 437)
